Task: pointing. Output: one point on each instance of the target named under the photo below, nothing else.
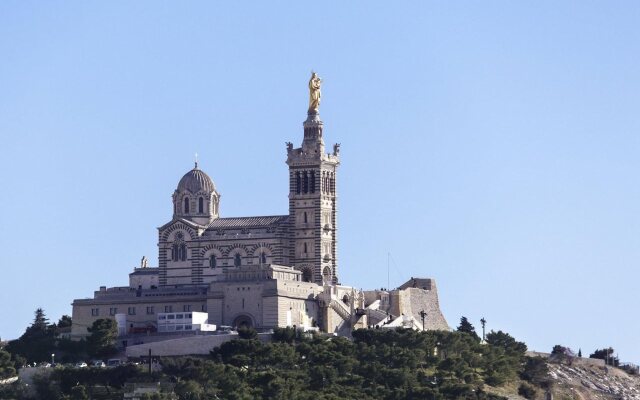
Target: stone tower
(313, 205)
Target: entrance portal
(243, 321)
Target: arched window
(237, 260)
(263, 258)
(326, 276)
(213, 262)
(305, 217)
(186, 205)
(175, 252)
(183, 252)
(201, 205)
(305, 247)
(297, 182)
(313, 181)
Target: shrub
(527, 391)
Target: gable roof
(247, 222)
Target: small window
(168, 308)
(305, 247)
(237, 260)
(203, 308)
(305, 217)
(131, 311)
(113, 311)
(186, 205)
(213, 261)
(263, 257)
(183, 252)
(95, 312)
(179, 327)
(201, 205)
(188, 327)
(186, 307)
(179, 316)
(162, 317)
(187, 316)
(150, 310)
(298, 183)
(171, 316)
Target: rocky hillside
(593, 382)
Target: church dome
(196, 181)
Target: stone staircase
(341, 309)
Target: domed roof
(195, 181)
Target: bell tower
(313, 199)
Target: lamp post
(483, 322)
(53, 357)
(423, 314)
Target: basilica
(260, 271)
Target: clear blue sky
(493, 146)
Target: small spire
(196, 167)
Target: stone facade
(263, 271)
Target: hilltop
(374, 364)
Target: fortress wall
(413, 300)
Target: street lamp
(423, 314)
(53, 356)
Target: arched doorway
(243, 321)
(307, 274)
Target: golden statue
(314, 92)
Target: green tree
(285, 335)
(64, 322)
(7, 367)
(247, 333)
(189, 390)
(504, 358)
(536, 371)
(101, 341)
(607, 355)
(559, 349)
(37, 342)
(466, 327)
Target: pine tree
(37, 342)
(467, 327)
(40, 325)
